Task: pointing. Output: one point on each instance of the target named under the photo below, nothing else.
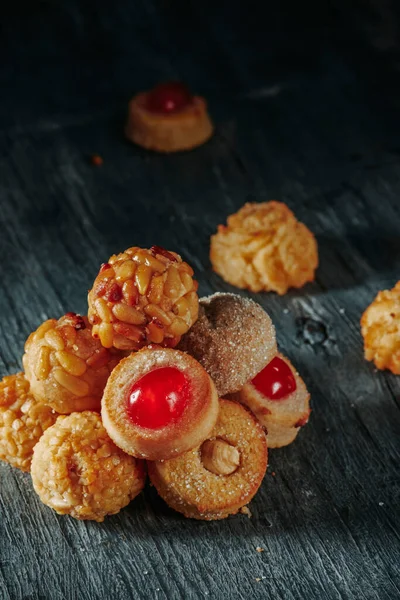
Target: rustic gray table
(306, 103)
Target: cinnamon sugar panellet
(233, 339)
(380, 328)
(143, 297)
(77, 470)
(22, 421)
(223, 485)
(66, 367)
(264, 247)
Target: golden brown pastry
(22, 421)
(218, 478)
(159, 403)
(380, 328)
(279, 399)
(66, 367)
(168, 119)
(233, 339)
(142, 297)
(264, 247)
(78, 471)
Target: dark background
(305, 98)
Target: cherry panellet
(276, 381)
(168, 98)
(159, 398)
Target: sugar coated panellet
(143, 297)
(77, 470)
(380, 328)
(22, 421)
(233, 339)
(168, 118)
(159, 403)
(67, 368)
(221, 476)
(264, 247)
(279, 399)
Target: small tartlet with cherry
(152, 380)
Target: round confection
(380, 328)
(159, 403)
(233, 339)
(264, 247)
(168, 119)
(78, 471)
(143, 297)
(22, 421)
(66, 367)
(221, 476)
(279, 399)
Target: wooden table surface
(305, 97)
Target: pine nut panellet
(141, 297)
(66, 366)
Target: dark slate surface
(306, 101)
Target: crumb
(246, 511)
(285, 311)
(96, 160)
(381, 504)
(259, 549)
(342, 311)
(273, 473)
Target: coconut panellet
(143, 297)
(222, 475)
(77, 470)
(159, 403)
(22, 421)
(233, 339)
(66, 367)
(264, 247)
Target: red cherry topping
(168, 98)
(276, 381)
(158, 398)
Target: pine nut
(155, 311)
(76, 386)
(128, 314)
(130, 292)
(187, 281)
(178, 327)
(122, 343)
(156, 289)
(155, 333)
(71, 364)
(132, 332)
(173, 284)
(125, 271)
(54, 339)
(182, 307)
(154, 263)
(43, 365)
(106, 335)
(142, 278)
(186, 268)
(46, 326)
(102, 310)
